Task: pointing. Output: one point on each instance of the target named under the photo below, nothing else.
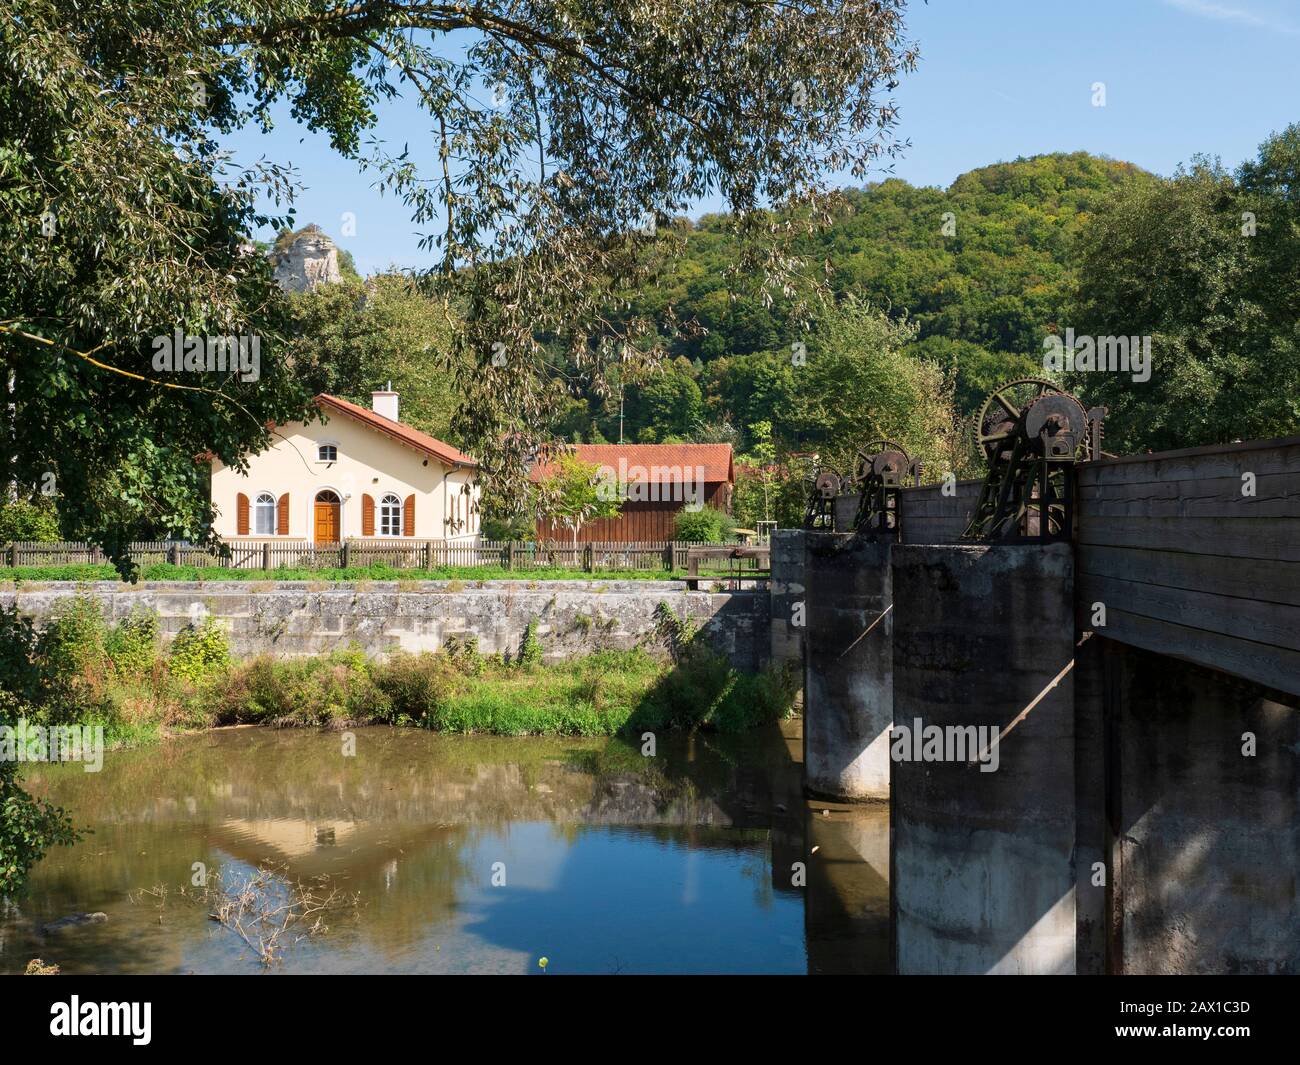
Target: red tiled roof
(657, 460)
(396, 430)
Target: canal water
(453, 854)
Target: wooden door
(327, 518)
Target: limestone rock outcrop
(310, 259)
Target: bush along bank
(81, 670)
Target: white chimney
(385, 403)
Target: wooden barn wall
(638, 522)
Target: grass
(601, 694)
(166, 572)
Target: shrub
(706, 525)
(335, 689)
(28, 826)
(726, 527)
(513, 527)
(198, 650)
(703, 690)
(465, 654)
(73, 665)
(593, 695)
(19, 669)
(132, 644)
(72, 644)
(415, 684)
(459, 691)
(675, 633)
(133, 707)
(31, 520)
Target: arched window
(390, 516)
(327, 453)
(264, 515)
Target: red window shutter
(408, 516)
(241, 515)
(367, 516)
(282, 515)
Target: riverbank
(81, 670)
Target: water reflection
(469, 854)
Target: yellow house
(360, 475)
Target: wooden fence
(266, 555)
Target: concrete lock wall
(927, 514)
(1203, 841)
(982, 869)
(301, 618)
(848, 687)
(787, 598)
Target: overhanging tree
(560, 136)
(559, 140)
(572, 493)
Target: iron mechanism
(822, 488)
(879, 469)
(1032, 435)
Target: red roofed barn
(658, 481)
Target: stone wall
(305, 618)
(788, 597)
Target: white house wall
(369, 462)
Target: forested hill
(941, 294)
(993, 275)
(983, 268)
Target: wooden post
(343, 555)
(426, 555)
(266, 557)
(589, 559)
(669, 552)
(510, 555)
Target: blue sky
(998, 79)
